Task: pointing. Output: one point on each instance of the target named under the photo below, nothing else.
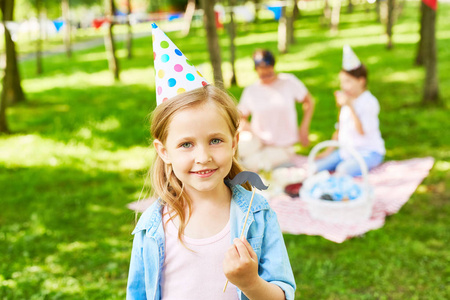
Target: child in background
(186, 245)
(358, 126)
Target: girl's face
(352, 86)
(200, 148)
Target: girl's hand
(341, 98)
(241, 264)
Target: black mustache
(251, 177)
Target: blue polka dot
(190, 77)
(164, 58)
(171, 82)
(154, 25)
(178, 52)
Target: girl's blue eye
(185, 145)
(215, 141)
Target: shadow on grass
(60, 236)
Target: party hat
(349, 59)
(175, 74)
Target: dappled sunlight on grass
(75, 246)
(80, 80)
(143, 76)
(298, 66)
(443, 166)
(255, 40)
(404, 76)
(100, 208)
(33, 150)
(86, 57)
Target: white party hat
(349, 59)
(175, 74)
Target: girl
(358, 126)
(181, 247)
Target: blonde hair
(164, 182)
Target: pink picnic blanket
(393, 182)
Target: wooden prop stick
(255, 181)
(243, 228)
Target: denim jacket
(262, 232)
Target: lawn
(80, 150)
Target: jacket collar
(152, 217)
(242, 198)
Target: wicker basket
(340, 212)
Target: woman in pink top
(266, 141)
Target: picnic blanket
(394, 182)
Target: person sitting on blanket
(266, 141)
(358, 125)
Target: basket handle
(333, 143)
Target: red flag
(431, 3)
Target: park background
(78, 150)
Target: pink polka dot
(178, 68)
(204, 83)
(159, 90)
(154, 55)
(165, 99)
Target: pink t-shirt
(196, 274)
(272, 107)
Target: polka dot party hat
(349, 59)
(175, 74)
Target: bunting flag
(97, 23)
(431, 4)
(58, 24)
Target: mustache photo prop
(256, 182)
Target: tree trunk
(188, 15)
(335, 15)
(39, 39)
(67, 27)
(350, 7)
(282, 32)
(257, 6)
(129, 41)
(419, 58)
(291, 22)
(213, 41)
(12, 92)
(3, 123)
(232, 32)
(378, 10)
(431, 88)
(109, 40)
(390, 22)
(326, 13)
(296, 11)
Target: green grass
(79, 153)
